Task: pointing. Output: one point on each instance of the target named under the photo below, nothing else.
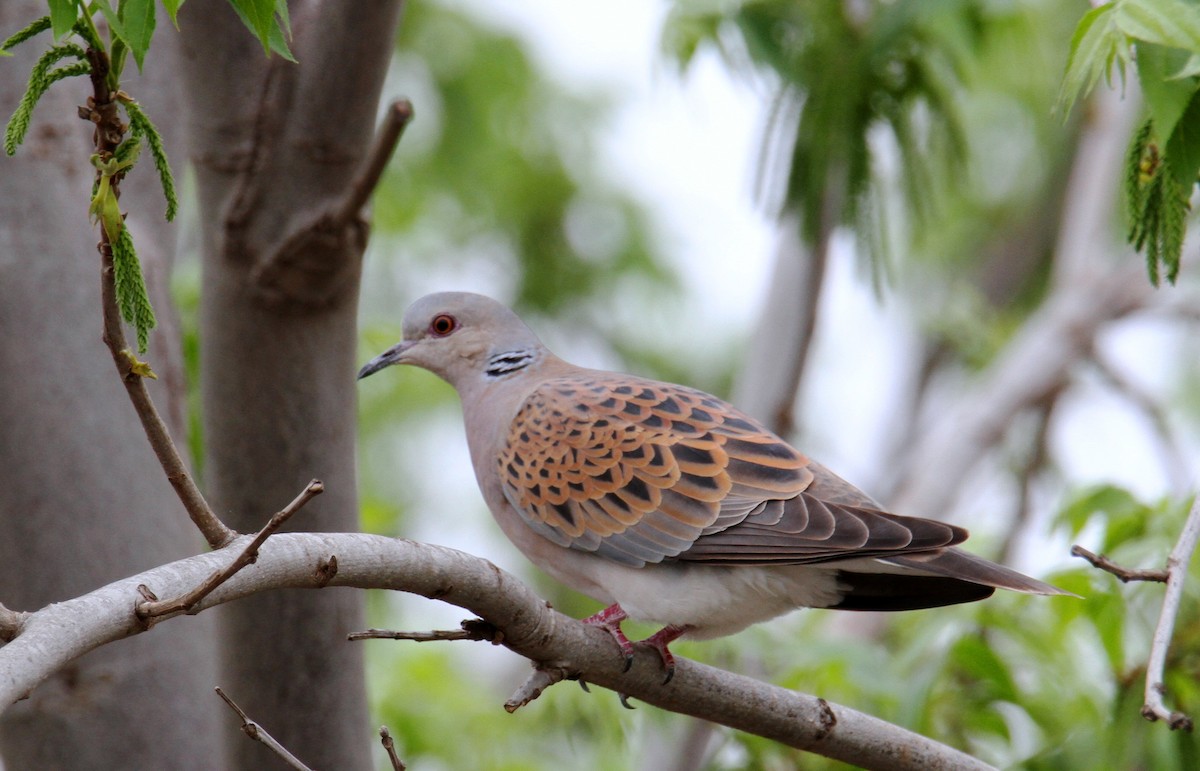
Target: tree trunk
(85, 502)
(276, 145)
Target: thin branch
(153, 608)
(395, 120)
(59, 633)
(1177, 568)
(1034, 462)
(102, 110)
(389, 746)
(437, 635)
(543, 676)
(1125, 574)
(259, 734)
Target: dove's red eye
(443, 324)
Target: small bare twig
(1125, 574)
(1153, 707)
(259, 734)
(1177, 565)
(394, 122)
(150, 608)
(11, 623)
(1026, 474)
(389, 746)
(544, 676)
(472, 629)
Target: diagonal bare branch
(259, 734)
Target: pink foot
(610, 620)
(659, 642)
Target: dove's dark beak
(393, 355)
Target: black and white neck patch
(506, 363)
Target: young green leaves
(1163, 161)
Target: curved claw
(659, 641)
(625, 701)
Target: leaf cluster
(842, 71)
(130, 25)
(1163, 162)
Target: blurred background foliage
(924, 127)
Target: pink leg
(610, 620)
(659, 642)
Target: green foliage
(131, 25)
(40, 80)
(843, 71)
(132, 298)
(141, 128)
(63, 14)
(269, 21)
(1164, 159)
(34, 28)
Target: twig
(472, 629)
(1177, 565)
(394, 122)
(102, 110)
(259, 734)
(11, 623)
(544, 676)
(1033, 463)
(436, 635)
(153, 608)
(389, 746)
(1125, 574)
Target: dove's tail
(930, 580)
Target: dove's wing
(640, 471)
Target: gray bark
(275, 146)
(84, 499)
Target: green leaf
(1095, 45)
(137, 17)
(259, 16)
(1102, 499)
(1190, 69)
(112, 17)
(1166, 96)
(172, 8)
(1183, 144)
(983, 666)
(1166, 22)
(62, 16)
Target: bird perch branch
(1153, 706)
(59, 633)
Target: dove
(667, 504)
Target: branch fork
(151, 608)
(1154, 707)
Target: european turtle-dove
(668, 504)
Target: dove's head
(463, 338)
